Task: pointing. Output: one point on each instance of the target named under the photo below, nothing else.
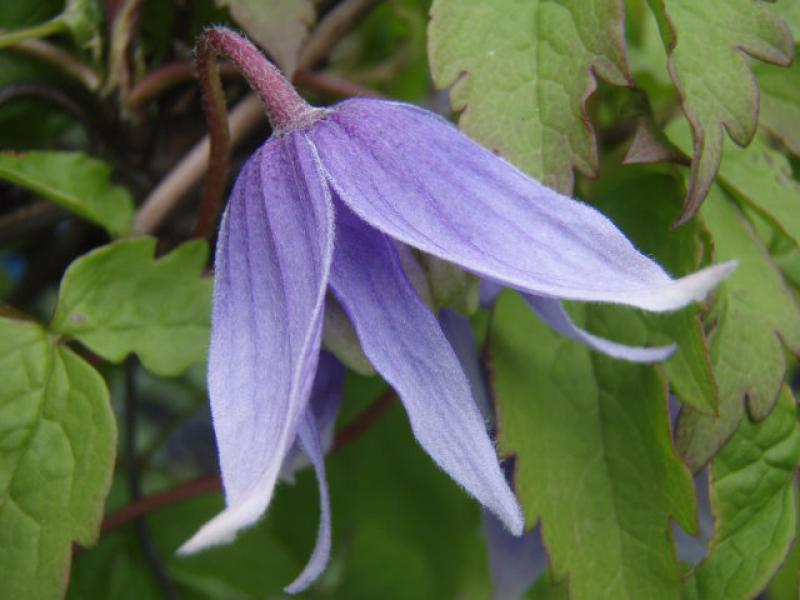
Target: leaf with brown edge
(714, 36)
(756, 316)
(521, 73)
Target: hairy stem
(166, 197)
(283, 105)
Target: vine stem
(48, 28)
(164, 198)
(210, 485)
(285, 108)
(157, 207)
(67, 62)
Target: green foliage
(536, 68)
(755, 315)
(117, 300)
(648, 225)
(758, 175)
(755, 507)
(594, 456)
(780, 103)
(75, 182)
(711, 37)
(58, 443)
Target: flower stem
(48, 28)
(283, 105)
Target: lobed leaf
(58, 439)
(117, 300)
(754, 502)
(759, 175)
(755, 314)
(594, 457)
(621, 196)
(780, 102)
(707, 42)
(75, 182)
(521, 73)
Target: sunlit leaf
(118, 300)
(75, 182)
(57, 435)
(521, 73)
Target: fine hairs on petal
(278, 199)
(471, 208)
(223, 528)
(406, 345)
(552, 312)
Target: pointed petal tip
(510, 514)
(224, 527)
(681, 292)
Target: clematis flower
(321, 208)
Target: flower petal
(404, 342)
(272, 264)
(458, 332)
(308, 435)
(515, 562)
(552, 312)
(415, 177)
(326, 396)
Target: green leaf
(118, 299)
(521, 73)
(780, 102)
(755, 315)
(279, 26)
(621, 195)
(75, 182)
(59, 440)
(83, 18)
(388, 51)
(754, 504)
(758, 175)
(789, 11)
(706, 42)
(594, 457)
(786, 583)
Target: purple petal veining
(404, 342)
(415, 177)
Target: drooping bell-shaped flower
(321, 208)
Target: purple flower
(322, 208)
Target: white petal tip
(681, 292)
(514, 521)
(223, 528)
